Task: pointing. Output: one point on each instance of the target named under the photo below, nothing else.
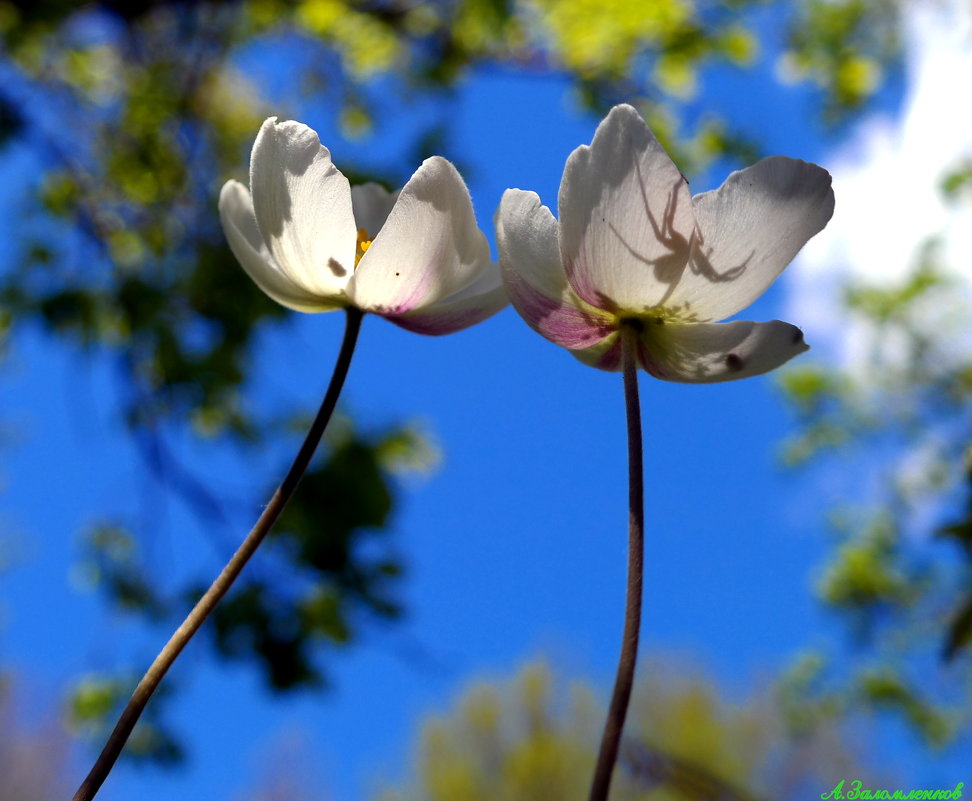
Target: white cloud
(887, 181)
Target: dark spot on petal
(336, 268)
(397, 273)
(734, 362)
(634, 323)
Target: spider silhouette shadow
(681, 253)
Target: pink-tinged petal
(372, 204)
(705, 353)
(303, 207)
(748, 230)
(527, 236)
(246, 242)
(604, 355)
(626, 219)
(473, 304)
(428, 249)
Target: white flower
(314, 243)
(632, 247)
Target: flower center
(646, 321)
(362, 245)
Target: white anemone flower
(634, 248)
(314, 243)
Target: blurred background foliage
(534, 737)
(120, 254)
(899, 574)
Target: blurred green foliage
(534, 739)
(93, 708)
(348, 499)
(894, 422)
(332, 546)
(844, 46)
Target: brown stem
(153, 676)
(610, 740)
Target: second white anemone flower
(314, 243)
(634, 248)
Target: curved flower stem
(610, 740)
(153, 676)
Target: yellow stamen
(363, 244)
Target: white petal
(371, 203)
(528, 240)
(481, 299)
(703, 353)
(303, 207)
(246, 242)
(626, 218)
(749, 229)
(428, 249)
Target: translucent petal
(748, 230)
(246, 242)
(481, 299)
(303, 207)
(704, 353)
(527, 235)
(604, 355)
(626, 217)
(428, 249)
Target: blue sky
(515, 547)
